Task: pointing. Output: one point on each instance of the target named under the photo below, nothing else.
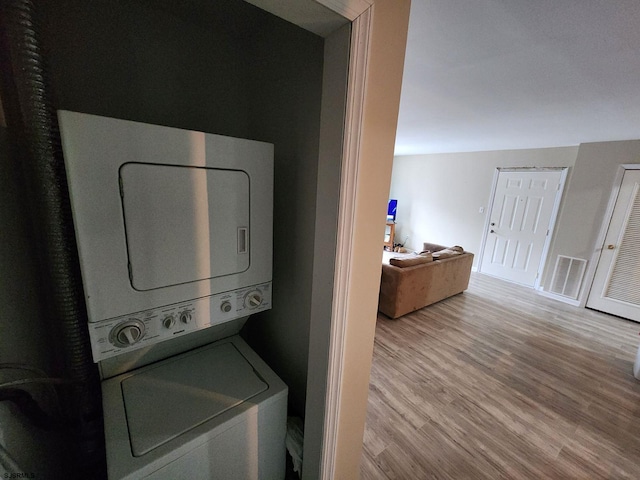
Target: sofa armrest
(402, 289)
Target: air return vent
(567, 276)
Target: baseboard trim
(560, 298)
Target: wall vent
(567, 276)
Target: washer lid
(167, 400)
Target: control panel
(112, 337)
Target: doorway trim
(552, 222)
(590, 274)
(360, 32)
(341, 436)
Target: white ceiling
(510, 74)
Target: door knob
(611, 247)
(492, 231)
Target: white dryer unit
(217, 412)
(174, 228)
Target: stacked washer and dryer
(174, 233)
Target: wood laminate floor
(500, 382)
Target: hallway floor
(500, 382)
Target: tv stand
(389, 234)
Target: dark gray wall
(226, 68)
(130, 60)
(286, 112)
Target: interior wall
(440, 195)
(133, 61)
(222, 67)
(586, 198)
(390, 21)
(334, 98)
(285, 101)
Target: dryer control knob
(127, 333)
(168, 321)
(226, 306)
(185, 317)
(253, 299)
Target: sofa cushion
(448, 252)
(432, 247)
(410, 261)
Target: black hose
(32, 120)
(29, 408)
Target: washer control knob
(185, 317)
(168, 321)
(226, 306)
(127, 333)
(253, 299)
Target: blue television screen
(391, 211)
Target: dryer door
(184, 224)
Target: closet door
(616, 286)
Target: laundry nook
(174, 232)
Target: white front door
(523, 205)
(616, 286)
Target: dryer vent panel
(567, 276)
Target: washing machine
(216, 412)
(174, 233)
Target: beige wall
(440, 195)
(433, 207)
(382, 97)
(585, 201)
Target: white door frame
(358, 13)
(590, 274)
(552, 223)
(347, 210)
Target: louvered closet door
(616, 287)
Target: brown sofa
(404, 289)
